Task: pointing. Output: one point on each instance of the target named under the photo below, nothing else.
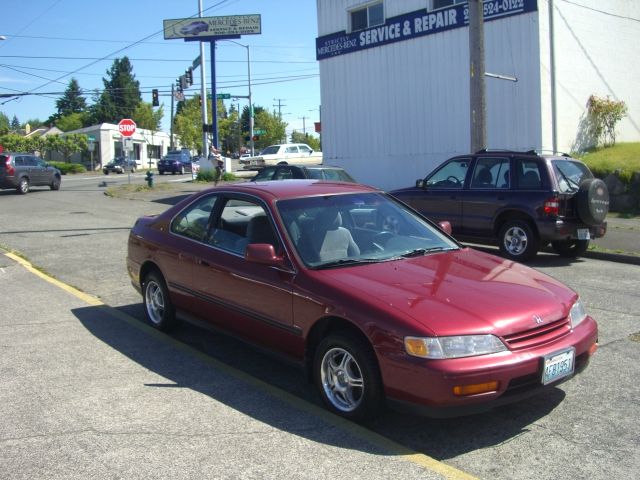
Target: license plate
(583, 234)
(558, 365)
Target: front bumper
(426, 386)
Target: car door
(441, 193)
(488, 193)
(252, 300)
(36, 171)
(45, 172)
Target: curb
(613, 257)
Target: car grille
(538, 335)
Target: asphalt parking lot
(88, 390)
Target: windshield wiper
(572, 183)
(419, 252)
(349, 261)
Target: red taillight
(552, 206)
(8, 168)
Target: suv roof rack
(489, 150)
(531, 151)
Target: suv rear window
(570, 174)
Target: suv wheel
(570, 248)
(518, 241)
(346, 373)
(23, 186)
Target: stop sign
(127, 127)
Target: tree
(188, 123)
(67, 144)
(299, 137)
(146, 117)
(604, 114)
(71, 101)
(121, 94)
(4, 124)
(71, 121)
(15, 124)
(263, 120)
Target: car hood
(453, 293)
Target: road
(585, 428)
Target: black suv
(120, 165)
(24, 170)
(522, 200)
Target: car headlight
(577, 314)
(453, 347)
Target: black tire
(518, 241)
(55, 183)
(23, 186)
(592, 201)
(158, 309)
(106, 172)
(161, 172)
(340, 361)
(181, 170)
(570, 248)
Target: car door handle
(184, 257)
(202, 262)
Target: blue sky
(49, 39)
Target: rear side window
(491, 173)
(19, 161)
(264, 174)
(193, 221)
(528, 173)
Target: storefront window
(445, 3)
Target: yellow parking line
(90, 299)
(395, 449)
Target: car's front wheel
(158, 308)
(570, 248)
(23, 186)
(347, 375)
(518, 241)
(55, 183)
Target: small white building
(394, 78)
(148, 146)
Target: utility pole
(279, 105)
(304, 124)
(203, 90)
(171, 118)
(477, 94)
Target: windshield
(338, 230)
(330, 174)
(569, 174)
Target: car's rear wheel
(570, 248)
(161, 172)
(55, 183)
(347, 375)
(518, 241)
(158, 308)
(181, 170)
(23, 186)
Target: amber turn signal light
(464, 390)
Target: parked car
(284, 171)
(521, 200)
(378, 303)
(289, 152)
(176, 161)
(24, 170)
(120, 165)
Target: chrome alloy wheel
(154, 300)
(342, 379)
(515, 240)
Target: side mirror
(264, 254)
(420, 183)
(445, 226)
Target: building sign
(197, 27)
(416, 24)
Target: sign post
(127, 128)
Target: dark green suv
(522, 201)
(24, 170)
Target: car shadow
(228, 370)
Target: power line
(182, 60)
(601, 11)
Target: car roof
(277, 189)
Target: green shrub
(210, 176)
(68, 167)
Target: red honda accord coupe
(379, 304)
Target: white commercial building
(147, 146)
(395, 78)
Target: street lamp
(251, 120)
(2, 37)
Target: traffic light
(183, 82)
(179, 84)
(154, 98)
(256, 138)
(189, 75)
